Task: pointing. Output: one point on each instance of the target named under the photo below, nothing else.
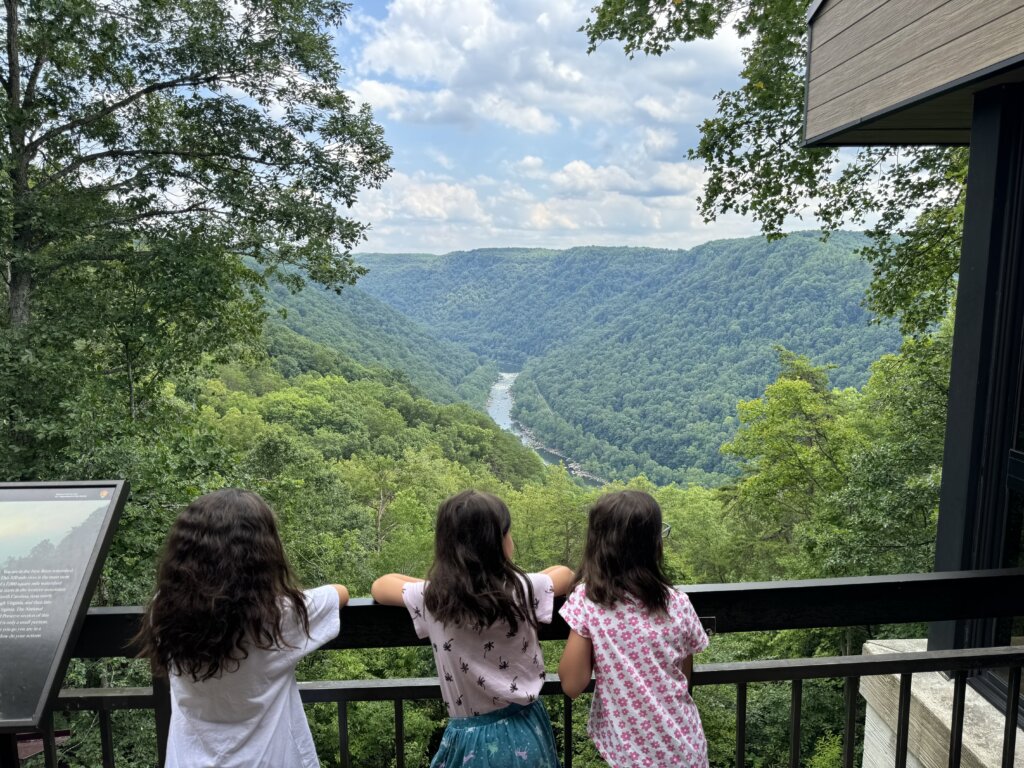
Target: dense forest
(354, 460)
(370, 332)
(633, 359)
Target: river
(499, 407)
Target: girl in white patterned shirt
(480, 612)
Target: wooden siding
(835, 16)
(893, 51)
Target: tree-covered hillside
(368, 331)
(633, 359)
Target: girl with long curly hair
(480, 611)
(227, 625)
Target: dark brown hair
(220, 585)
(471, 582)
(623, 555)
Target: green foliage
(368, 331)
(147, 148)
(634, 358)
(756, 163)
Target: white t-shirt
(252, 716)
(485, 669)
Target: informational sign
(53, 539)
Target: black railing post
(567, 730)
(956, 726)
(162, 714)
(903, 721)
(106, 739)
(850, 731)
(741, 725)
(794, 723)
(49, 742)
(343, 745)
(1012, 710)
(399, 733)
(9, 750)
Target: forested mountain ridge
(634, 359)
(368, 331)
(507, 304)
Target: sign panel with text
(53, 539)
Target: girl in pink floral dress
(637, 635)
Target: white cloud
(507, 133)
(440, 158)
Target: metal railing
(724, 608)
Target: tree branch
(33, 80)
(13, 55)
(79, 122)
(114, 154)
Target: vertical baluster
(567, 731)
(162, 713)
(106, 739)
(49, 742)
(343, 746)
(794, 724)
(741, 725)
(903, 720)
(399, 733)
(1012, 710)
(850, 733)
(956, 727)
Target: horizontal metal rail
(741, 674)
(741, 607)
(722, 607)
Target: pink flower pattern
(642, 714)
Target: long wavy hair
(471, 582)
(222, 583)
(623, 553)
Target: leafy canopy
(130, 120)
(162, 161)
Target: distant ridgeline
(371, 333)
(633, 359)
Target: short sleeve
(543, 597)
(412, 596)
(695, 639)
(324, 615)
(575, 612)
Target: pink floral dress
(642, 714)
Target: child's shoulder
(679, 602)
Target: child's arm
(387, 590)
(576, 665)
(688, 672)
(561, 578)
(342, 591)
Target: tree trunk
(20, 291)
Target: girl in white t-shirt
(480, 612)
(637, 635)
(228, 625)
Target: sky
(507, 133)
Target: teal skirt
(513, 737)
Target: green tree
(794, 443)
(757, 165)
(137, 118)
(162, 162)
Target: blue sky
(506, 133)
